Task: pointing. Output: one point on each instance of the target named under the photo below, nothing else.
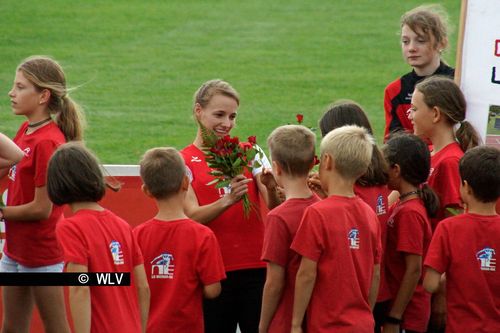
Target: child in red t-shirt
(96, 240)
(40, 94)
(371, 187)
(339, 241)
(464, 248)
(437, 106)
(292, 153)
(408, 233)
(182, 257)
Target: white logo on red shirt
(162, 266)
(380, 209)
(353, 238)
(27, 151)
(116, 252)
(195, 159)
(487, 260)
(12, 173)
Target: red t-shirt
(408, 232)
(465, 247)
(240, 238)
(104, 242)
(33, 243)
(281, 225)
(343, 236)
(444, 178)
(377, 198)
(180, 257)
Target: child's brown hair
(74, 175)
(292, 147)
(162, 171)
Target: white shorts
(8, 265)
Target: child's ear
(185, 183)
(327, 161)
(44, 96)
(277, 170)
(436, 114)
(396, 169)
(466, 187)
(146, 191)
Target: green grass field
(137, 63)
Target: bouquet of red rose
(228, 157)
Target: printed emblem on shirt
(12, 173)
(224, 190)
(162, 267)
(390, 223)
(380, 208)
(27, 151)
(116, 252)
(487, 259)
(353, 238)
(195, 159)
(408, 97)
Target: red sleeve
(42, 155)
(438, 254)
(390, 92)
(447, 183)
(308, 241)
(72, 243)
(410, 232)
(276, 241)
(388, 115)
(137, 258)
(209, 265)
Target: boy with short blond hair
(339, 241)
(292, 154)
(465, 247)
(182, 257)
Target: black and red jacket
(397, 99)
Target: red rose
(300, 117)
(252, 139)
(316, 160)
(246, 146)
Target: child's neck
(90, 205)
(171, 209)
(430, 68)
(340, 186)
(295, 187)
(481, 208)
(407, 191)
(444, 135)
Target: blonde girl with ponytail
(40, 94)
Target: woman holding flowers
(240, 233)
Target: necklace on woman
(38, 123)
(407, 194)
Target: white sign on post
(478, 66)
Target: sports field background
(137, 63)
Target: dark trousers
(238, 304)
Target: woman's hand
(315, 185)
(239, 187)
